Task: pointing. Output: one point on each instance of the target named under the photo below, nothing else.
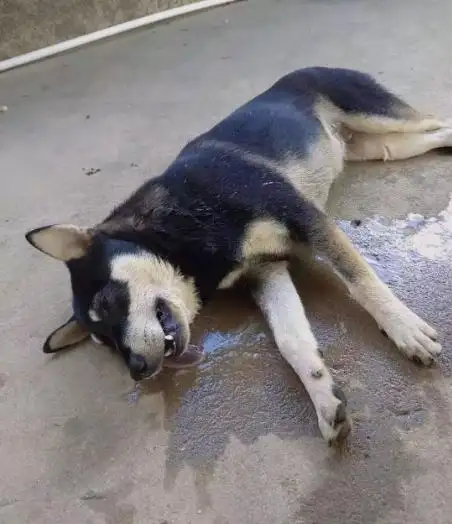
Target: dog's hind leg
(394, 146)
(280, 303)
(411, 334)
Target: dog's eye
(161, 310)
(159, 314)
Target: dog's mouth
(177, 356)
(171, 346)
(173, 329)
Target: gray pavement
(235, 441)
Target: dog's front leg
(280, 303)
(412, 335)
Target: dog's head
(123, 296)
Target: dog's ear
(69, 334)
(63, 242)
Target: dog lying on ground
(238, 202)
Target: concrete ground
(234, 441)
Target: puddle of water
(246, 336)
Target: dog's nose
(137, 366)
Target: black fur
(352, 91)
(90, 281)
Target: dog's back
(286, 119)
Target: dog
(239, 202)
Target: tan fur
(232, 278)
(63, 242)
(263, 237)
(395, 146)
(149, 270)
(381, 124)
(67, 335)
(149, 278)
(408, 120)
(313, 176)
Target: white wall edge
(80, 41)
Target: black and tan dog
(239, 201)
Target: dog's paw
(334, 423)
(414, 337)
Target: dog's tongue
(191, 357)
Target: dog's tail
(367, 106)
(359, 102)
(402, 119)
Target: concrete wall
(27, 25)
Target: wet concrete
(245, 391)
(234, 440)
